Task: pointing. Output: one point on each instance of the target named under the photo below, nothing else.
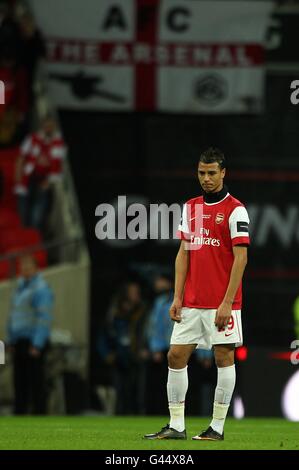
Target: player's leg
(177, 383)
(185, 336)
(177, 386)
(226, 380)
(179, 354)
(224, 342)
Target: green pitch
(120, 433)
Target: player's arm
(181, 270)
(224, 310)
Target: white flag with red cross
(183, 56)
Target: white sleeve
(26, 146)
(58, 151)
(183, 227)
(239, 223)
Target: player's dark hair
(213, 155)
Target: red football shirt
(212, 229)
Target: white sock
(223, 394)
(177, 386)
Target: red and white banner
(188, 56)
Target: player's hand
(175, 310)
(223, 315)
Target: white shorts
(197, 327)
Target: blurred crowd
(21, 48)
(132, 351)
(32, 149)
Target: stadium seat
(5, 269)
(12, 238)
(7, 167)
(9, 218)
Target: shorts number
(231, 323)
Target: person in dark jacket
(28, 334)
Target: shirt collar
(211, 198)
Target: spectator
(125, 334)
(105, 388)
(207, 372)
(28, 334)
(32, 47)
(13, 113)
(159, 332)
(10, 37)
(160, 323)
(39, 166)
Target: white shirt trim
(214, 203)
(239, 214)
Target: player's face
(210, 177)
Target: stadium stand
(63, 259)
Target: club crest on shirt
(219, 218)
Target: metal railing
(57, 251)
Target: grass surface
(119, 433)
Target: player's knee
(224, 360)
(175, 359)
(222, 363)
(224, 356)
